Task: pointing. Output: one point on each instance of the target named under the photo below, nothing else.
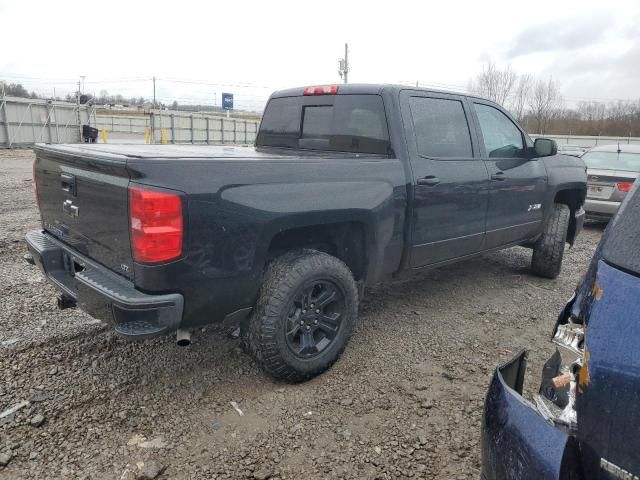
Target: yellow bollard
(164, 136)
(104, 135)
(147, 136)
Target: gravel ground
(404, 401)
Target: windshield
(613, 161)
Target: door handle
(429, 180)
(68, 183)
(498, 176)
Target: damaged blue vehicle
(584, 424)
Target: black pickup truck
(346, 186)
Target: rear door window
(440, 127)
(347, 123)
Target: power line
(215, 84)
(45, 82)
(49, 80)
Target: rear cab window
(341, 123)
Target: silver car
(611, 170)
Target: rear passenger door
(518, 182)
(450, 181)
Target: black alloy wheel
(304, 315)
(314, 318)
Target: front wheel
(304, 316)
(549, 248)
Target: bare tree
(544, 103)
(494, 83)
(520, 97)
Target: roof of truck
(365, 89)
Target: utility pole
(5, 116)
(154, 91)
(82, 77)
(344, 64)
(79, 118)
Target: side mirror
(545, 147)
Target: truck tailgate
(83, 200)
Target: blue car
(584, 424)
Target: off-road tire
(549, 248)
(284, 279)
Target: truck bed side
(241, 212)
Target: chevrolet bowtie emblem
(70, 209)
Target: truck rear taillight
(321, 90)
(624, 186)
(156, 225)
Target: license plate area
(599, 191)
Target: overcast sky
(252, 47)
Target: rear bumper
(102, 293)
(600, 209)
(517, 442)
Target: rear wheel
(548, 250)
(304, 316)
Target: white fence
(25, 121)
(587, 141)
(179, 127)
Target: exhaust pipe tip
(183, 337)
(66, 301)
